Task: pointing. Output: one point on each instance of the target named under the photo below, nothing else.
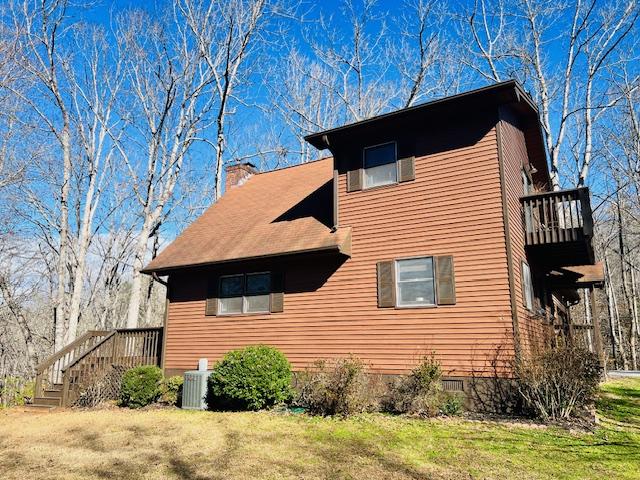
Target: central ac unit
(194, 390)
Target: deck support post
(597, 334)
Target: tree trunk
(60, 313)
(587, 320)
(133, 312)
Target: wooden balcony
(559, 227)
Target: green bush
(171, 390)
(15, 391)
(140, 386)
(450, 404)
(556, 383)
(338, 387)
(251, 378)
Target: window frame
(397, 282)
(528, 293)
(364, 168)
(244, 294)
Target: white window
(380, 165)
(527, 286)
(415, 282)
(244, 293)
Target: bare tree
(75, 105)
(377, 62)
(515, 39)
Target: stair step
(39, 408)
(46, 401)
(52, 393)
(55, 387)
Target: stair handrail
(65, 371)
(121, 332)
(87, 352)
(52, 359)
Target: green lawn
(178, 444)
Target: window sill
(405, 307)
(252, 314)
(377, 187)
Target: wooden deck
(559, 227)
(63, 378)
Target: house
(428, 229)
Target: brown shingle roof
(274, 213)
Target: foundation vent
(452, 385)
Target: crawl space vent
(452, 385)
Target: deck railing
(557, 217)
(122, 349)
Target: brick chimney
(238, 173)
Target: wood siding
(453, 207)
(515, 156)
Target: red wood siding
(453, 207)
(514, 151)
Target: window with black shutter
(237, 294)
(416, 282)
(380, 166)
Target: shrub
(450, 404)
(140, 386)
(251, 378)
(171, 390)
(15, 391)
(338, 387)
(558, 382)
(420, 392)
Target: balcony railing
(557, 217)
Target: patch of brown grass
(175, 444)
(170, 444)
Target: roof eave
(320, 140)
(343, 247)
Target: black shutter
(354, 180)
(386, 284)
(406, 169)
(445, 281)
(211, 306)
(277, 292)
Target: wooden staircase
(63, 378)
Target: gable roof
(281, 212)
(450, 109)
(509, 91)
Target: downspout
(327, 145)
(156, 278)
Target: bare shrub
(420, 392)
(556, 383)
(492, 387)
(340, 386)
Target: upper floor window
(244, 293)
(380, 165)
(415, 282)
